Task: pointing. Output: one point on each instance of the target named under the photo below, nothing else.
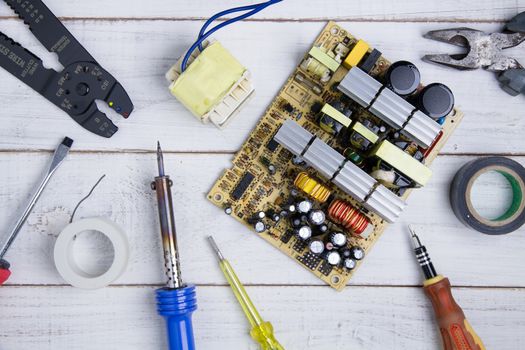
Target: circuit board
(263, 172)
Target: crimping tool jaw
(119, 101)
(78, 87)
(96, 122)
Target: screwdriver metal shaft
(58, 157)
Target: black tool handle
(23, 64)
(48, 29)
(516, 24)
(512, 81)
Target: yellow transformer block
(356, 55)
(336, 115)
(403, 162)
(324, 58)
(214, 85)
(365, 132)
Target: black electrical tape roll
(461, 202)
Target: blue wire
(204, 36)
(224, 13)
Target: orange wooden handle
(455, 330)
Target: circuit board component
(336, 155)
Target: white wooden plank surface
(380, 10)
(466, 256)
(138, 54)
(137, 41)
(360, 318)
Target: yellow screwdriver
(261, 332)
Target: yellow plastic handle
(263, 334)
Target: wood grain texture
(139, 53)
(371, 318)
(137, 42)
(469, 258)
(380, 10)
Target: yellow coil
(311, 187)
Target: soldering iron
(177, 301)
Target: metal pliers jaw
(484, 50)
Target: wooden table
(137, 41)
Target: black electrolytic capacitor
(338, 239)
(273, 215)
(316, 217)
(345, 253)
(258, 216)
(304, 206)
(357, 253)
(403, 78)
(349, 264)
(290, 208)
(435, 100)
(259, 226)
(323, 228)
(333, 258)
(304, 232)
(320, 230)
(316, 246)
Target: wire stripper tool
(82, 81)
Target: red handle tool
(58, 157)
(4, 271)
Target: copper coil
(344, 214)
(311, 187)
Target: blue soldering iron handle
(177, 307)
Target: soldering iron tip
(215, 248)
(160, 159)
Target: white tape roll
(65, 260)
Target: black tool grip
(517, 24)
(513, 81)
(23, 64)
(48, 29)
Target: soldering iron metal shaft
(162, 186)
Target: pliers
(79, 85)
(484, 50)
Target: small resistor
(344, 214)
(311, 187)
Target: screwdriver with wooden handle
(456, 331)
